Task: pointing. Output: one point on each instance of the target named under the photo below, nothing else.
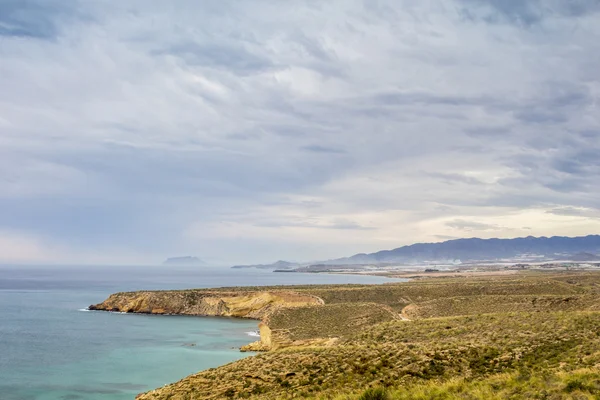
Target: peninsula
(488, 336)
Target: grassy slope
(450, 351)
(556, 385)
(335, 320)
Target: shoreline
(430, 303)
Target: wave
(253, 333)
(112, 312)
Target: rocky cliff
(242, 304)
(288, 318)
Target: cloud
(329, 129)
(456, 177)
(18, 247)
(446, 237)
(528, 13)
(469, 226)
(27, 19)
(575, 212)
(337, 223)
(227, 57)
(315, 148)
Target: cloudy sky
(258, 130)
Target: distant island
(185, 260)
(281, 265)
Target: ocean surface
(51, 348)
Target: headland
(399, 338)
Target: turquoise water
(50, 349)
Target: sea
(53, 348)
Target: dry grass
(335, 320)
(517, 337)
(396, 354)
(468, 305)
(573, 385)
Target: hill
(534, 335)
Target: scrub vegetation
(531, 336)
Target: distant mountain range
(584, 248)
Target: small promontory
(221, 303)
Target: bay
(52, 349)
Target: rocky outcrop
(241, 304)
(221, 303)
(264, 344)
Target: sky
(243, 132)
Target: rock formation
(241, 304)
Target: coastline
(87, 352)
(323, 334)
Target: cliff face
(317, 326)
(266, 340)
(251, 304)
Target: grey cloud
(536, 115)
(578, 8)
(565, 185)
(453, 177)
(315, 148)
(496, 11)
(410, 98)
(286, 130)
(575, 212)
(446, 237)
(493, 131)
(538, 178)
(345, 224)
(230, 57)
(36, 19)
(464, 225)
(590, 134)
(243, 136)
(319, 58)
(580, 162)
(337, 224)
(561, 163)
(525, 13)
(556, 102)
(565, 95)
(211, 173)
(27, 19)
(569, 166)
(313, 47)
